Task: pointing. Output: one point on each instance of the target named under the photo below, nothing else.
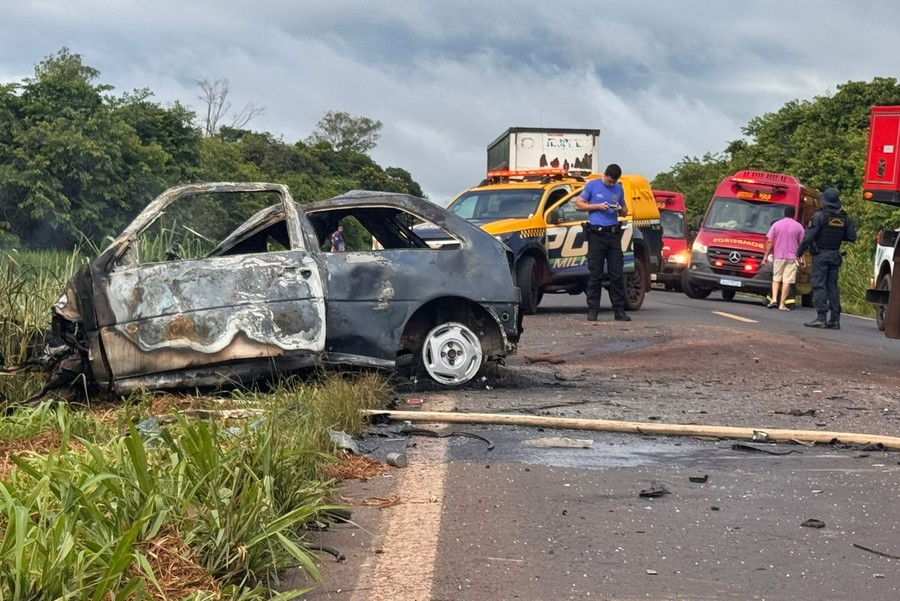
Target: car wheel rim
(452, 354)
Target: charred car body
(195, 294)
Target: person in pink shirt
(782, 241)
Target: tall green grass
(77, 520)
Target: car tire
(634, 286)
(728, 294)
(881, 310)
(806, 300)
(451, 354)
(526, 278)
(690, 290)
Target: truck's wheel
(881, 310)
(690, 290)
(526, 278)
(634, 286)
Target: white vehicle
(884, 267)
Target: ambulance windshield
(738, 215)
(672, 223)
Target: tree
(214, 96)
(341, 131)
(76, 164)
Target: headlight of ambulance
(680, 258)
(698, 247)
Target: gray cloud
(662, 80)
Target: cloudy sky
(661, 79)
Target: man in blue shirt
(604, 199)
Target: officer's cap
(831, 198)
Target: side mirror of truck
(695, 225)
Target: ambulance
(727, 252)
(676, 253)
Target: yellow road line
(733, 316)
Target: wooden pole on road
(661, 429)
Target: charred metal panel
(202, 305)
(273, 300)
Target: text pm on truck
(727, 252)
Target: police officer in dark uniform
(828, 228)
(604, 199)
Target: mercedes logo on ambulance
(734, 257)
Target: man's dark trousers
(605, 246)
(824, 277)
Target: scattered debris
(551, 359)
(223, 413)
(813, 523)
(353, 467)
(760, 436)
(797, 412)
(379, 502)
(569, 377)
(338, 556)
(414, 401)
(342, 440)
(652, 572)
(882, 553)
(433, 434)
(740, 446)
(699, 479)
(655, 490)
(396, 459)
(560, 442)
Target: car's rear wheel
(881, 310)
(452, 354)
(728, 294)
(634, 286)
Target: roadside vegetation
(159, 496)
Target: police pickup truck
(533, 212)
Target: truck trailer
(525, 148)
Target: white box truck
(523, 148)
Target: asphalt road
(758, 520)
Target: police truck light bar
(505, 173)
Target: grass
(143, 502)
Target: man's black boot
(833, 325)
(818, 322)
(622, 316)
(592, 315)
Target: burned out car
(226, 283)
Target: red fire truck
(881, 183)
(727, 251)
(675, 252)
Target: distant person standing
(782, 241)
(337, 240)
(604, 200)
(828, 229)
